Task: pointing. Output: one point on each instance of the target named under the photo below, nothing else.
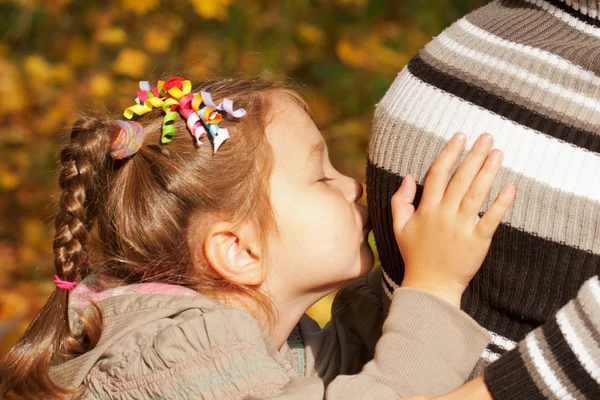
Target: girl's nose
(359, 191)
(353, 190)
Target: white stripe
(490, 356)
(567, 18)
(518, 73)
(577, 346)
(542, 55)
(594, 285)
(548, 160)
(389, 280)
(501, 341)
(544, 370)
(385, 289)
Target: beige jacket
(166, 342)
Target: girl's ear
(234, 251)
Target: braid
(48, 340)
(87, 152)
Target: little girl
(193, 236)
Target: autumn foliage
(59, 58)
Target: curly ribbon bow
(174, 97)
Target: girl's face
(322, 240)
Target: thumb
(402, 207)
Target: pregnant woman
(527, 72)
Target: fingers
(437, 176)
(402, 207)
(481, 186)
(468, 170)
(488, 224)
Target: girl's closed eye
(325, 179)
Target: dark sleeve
(560, 359)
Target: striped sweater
(528, 72)
(560, 360)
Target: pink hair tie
(66, 285)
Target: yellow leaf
(78, 52)
(111, 36)
(310, 34)
(21, 160)
(11, 89)
(350, 54)
(53, 117)
(27, 255)
(212, 9)
(131, 62)
(62, 73)
(100, 85)
(139, 7)
(8, 180)
(32, 233)
(12, 305)
(38, 68)
(321, 310)
(320, 107)
(157, 40)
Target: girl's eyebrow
(316, 149)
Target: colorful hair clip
(174, 97)
(129, 140)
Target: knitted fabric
(528, 72)
(558, 360)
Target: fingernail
(495, 155)
(508, 191)
(458, 137)
(486, 138)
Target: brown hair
(144, 207)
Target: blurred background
(61, 58)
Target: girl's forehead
(291, 132)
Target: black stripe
(508, 378)
(496, 349)
(574, 13)
(524, 279)
(498, 105)
(568, 361)
(387, 285)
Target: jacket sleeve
(425, 346)
(560, 359)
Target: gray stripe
(538, 208)
(555, 365)
(479, 368)
(530, 25)
(587, 322)
(589, 304)
(518, 90)
(590, 6)
(512, 89)
(571, 77)
(582, 332)
(533, 371)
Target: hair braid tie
(66, 285)
(129, 140)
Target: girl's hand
(444, 242)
